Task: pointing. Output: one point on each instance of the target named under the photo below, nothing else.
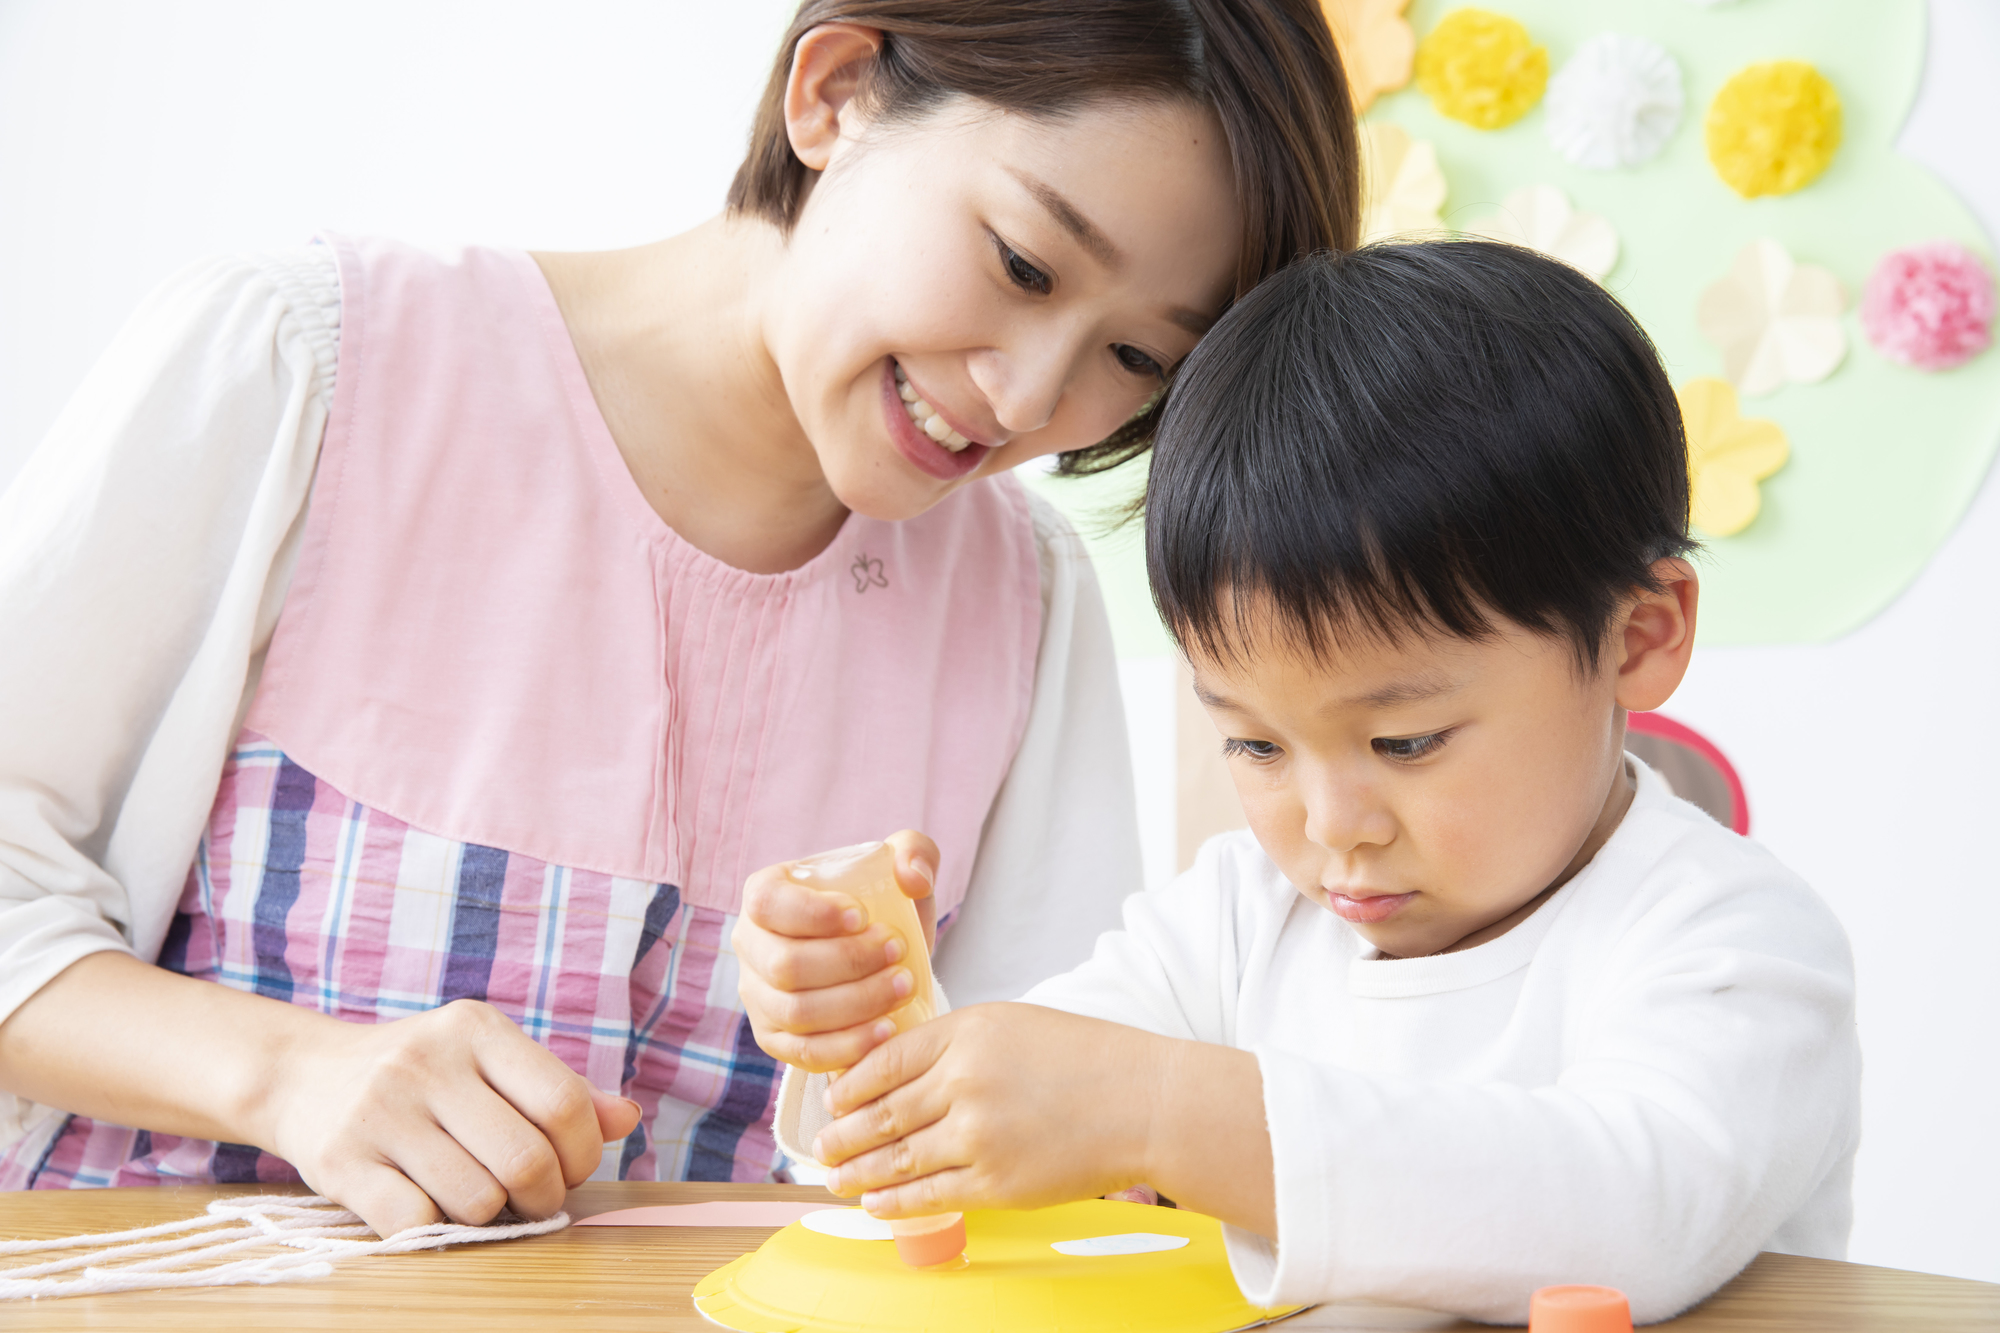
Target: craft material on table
(638, 1279)
(714, 1213)
(250, 1241)
(1015, 1280)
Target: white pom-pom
(1615, 104)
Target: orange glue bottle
(1579, 1310)
(867, 874)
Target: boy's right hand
(817, 978)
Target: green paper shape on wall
(1885, 459)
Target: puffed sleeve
(1060, 850)
(144, 552)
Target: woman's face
(1031, 281)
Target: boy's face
(1429, 793)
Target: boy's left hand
(996, 1106)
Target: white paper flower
(1777, 321)
(1402, 187)
(1540, 217)
(1615, 104)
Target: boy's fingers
(785, 907)
(916, 862)
(556, 1103)
(948, 1191)
(889, 1066)
(617, 1117)
(512, 1151)
(788, 963)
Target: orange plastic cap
(928, 1248)
(1579, 1310)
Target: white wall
(136, 136)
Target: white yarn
(307, 1231)
(1615, 104)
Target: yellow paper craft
(1773, 128)
(1728, 454)
(1402, 189)
(1482, 68)
(800, 1281)
(1376, 45)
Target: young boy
(1476, 1005)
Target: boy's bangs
(1414, 439)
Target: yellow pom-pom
(1773, 128)
(1482, 68)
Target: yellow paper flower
(1376, 45)
(1402, 189)
(1773, 128)
(1728, 454)
(1482, 68)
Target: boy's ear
(828, 65)
(1656, 637)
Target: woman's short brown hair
(1268, 68)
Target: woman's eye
(1024, 275)
(1253, 749)
(1137, 361)
(1409, 747)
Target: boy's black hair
(1413, 438)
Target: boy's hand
(999, 1105)
(1017, 1106)
(817, 980)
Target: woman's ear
(828, 65)
(1656, 637)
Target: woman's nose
(1024, 383)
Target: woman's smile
(928, 452)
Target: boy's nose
(1341, 816)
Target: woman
(475, 628)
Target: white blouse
(145, 552)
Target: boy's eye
(1137, 361)
(1409, 747)
(1254, 749)
(1023, 274)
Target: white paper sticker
(1129, 1242)
(846, 1224)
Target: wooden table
(639, 1278)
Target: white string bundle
(254, 1240)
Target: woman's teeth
(927, 419)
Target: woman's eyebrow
(1073, 221)
(1097, 244)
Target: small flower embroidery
(867, 573)
(1540, 217)
(1728, 454)
(1376, 45)
(1401, 185)
(1776, 320)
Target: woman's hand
(455, 1113)
(1017, 1106)
(817, 978)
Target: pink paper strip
(715, 1213)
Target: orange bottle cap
(928, 1248)
(1579, 1310)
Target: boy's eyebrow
(1087, 235)
(1414, 690)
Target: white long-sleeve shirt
(146, 550)
(1646, 1082)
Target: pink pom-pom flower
(1929, 306)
